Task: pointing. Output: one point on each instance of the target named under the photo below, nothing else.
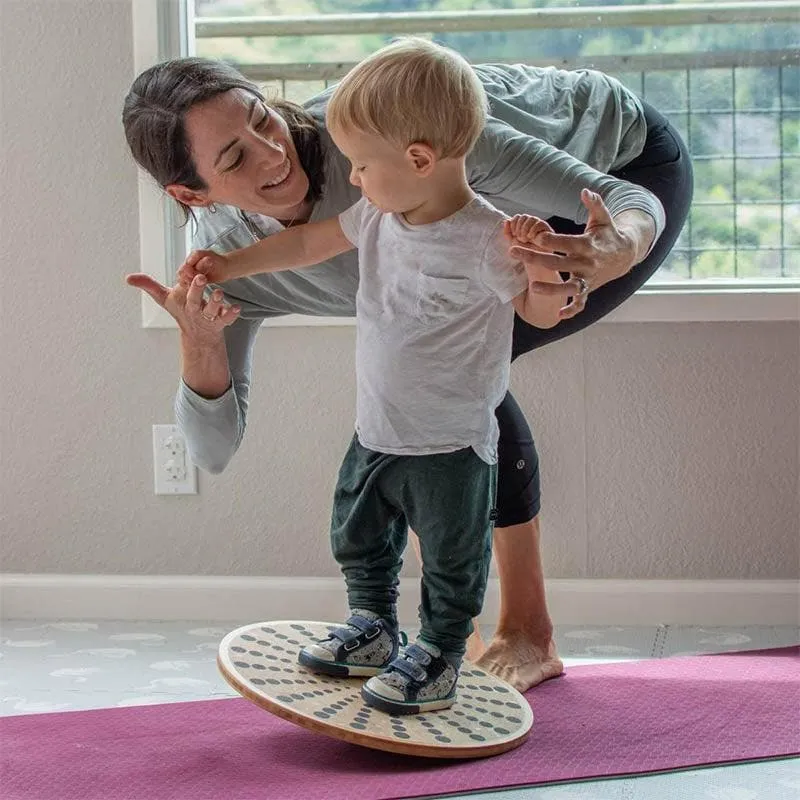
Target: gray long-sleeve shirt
(550, 133)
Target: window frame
(163, 29)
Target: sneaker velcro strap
(409, 668)
(363, 626)
(419, 654)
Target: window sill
(649, 305)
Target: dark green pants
(448, 500)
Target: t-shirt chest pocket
(439, 297)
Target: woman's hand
(213, 266)
(201, 320)
(602, 253)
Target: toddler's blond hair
(410, 91)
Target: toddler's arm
(539, 310)
(301, 246)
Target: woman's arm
(214, 424)
(215, 346)
(520, 173)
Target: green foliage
(747, 153)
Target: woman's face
(245, 154)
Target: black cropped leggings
(665, 168)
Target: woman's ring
(210, 319)
(583, 285)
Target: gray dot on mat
(318, 692)
(496, 714)
(436, 732)
(248, 638)
(238, 650)
(284, 698)
(293, 641)
(464, 730)
(359, 726)
(263, 642)
(258, 666)
(281, 636)
(273, 681)
(485, 724)
(477, 737)
(443, 739)
(502, 731)
(501, 689)
(267, 630)
(257, 681)
(297, 696)
(308, 694)
(241, 664)
(495, 702)
(296, 627)
(321, 714)
(401, 735)
(515, 720)
(512, 705)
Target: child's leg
(368, 532)
(448, 499)
(368, 535)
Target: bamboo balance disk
(260, 662)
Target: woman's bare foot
(475, 644)
(519, 660)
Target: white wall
(668, 450)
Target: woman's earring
(212, 209)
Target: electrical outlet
(174, 472)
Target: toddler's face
(382, 171)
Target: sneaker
(364, 646)
(419, 680)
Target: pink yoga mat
(597, 721)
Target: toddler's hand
(213, 266)
(524, 228)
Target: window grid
(688, 249)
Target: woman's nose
(354, 179)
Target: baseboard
(246, 599)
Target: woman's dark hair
(157, 103)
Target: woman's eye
(236, 163)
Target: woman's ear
(422, 158)
(187, 196)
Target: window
(733, 90)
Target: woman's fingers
(194, 295)
(213, 306)
(146, 283)
(538, 258)
(229, 315)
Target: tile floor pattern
(50, 666)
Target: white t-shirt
(434, 324)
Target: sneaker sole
(399, 707)
(337, 668)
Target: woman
(612, 176)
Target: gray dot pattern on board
(266, 658)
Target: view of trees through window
(742, 124)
